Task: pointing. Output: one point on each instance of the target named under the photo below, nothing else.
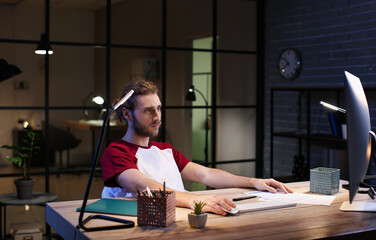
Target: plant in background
(197, 207)
(25, 152)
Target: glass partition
(22, 21)
(72, 76)
(188, 20)
(83, 65)
(237, 79)
(71, 24)
(237, 25)
(236, 141)
(137, 22)
(26, 88)
(129, 64)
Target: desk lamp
(99, 101)
(336, 120)
(191, 96)
(81, 222)
(95, 99)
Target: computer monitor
(359, 141)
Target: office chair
(60, 140)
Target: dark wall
(332, 36)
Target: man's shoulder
(121, 144)
(161, 145)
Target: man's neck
(135, 139)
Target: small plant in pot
(23, 155)
(197, 219)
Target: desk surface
(301, 222)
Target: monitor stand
(359, 206)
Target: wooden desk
(91, 125)
(301, 222)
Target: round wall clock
(290, 63)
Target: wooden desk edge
(59, 213)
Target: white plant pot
(197, 221)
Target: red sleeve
(117, 158)
(180, 159)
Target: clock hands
(285, 65)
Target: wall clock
(290, 63)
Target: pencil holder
(324, 180)
(156, 211)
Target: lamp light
(98, 100)
(43, 46)
(191, 96)
(330, 106)
(24, 124)
(7, 70)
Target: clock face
(289, 63)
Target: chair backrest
(60, 139)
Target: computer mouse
(232, 211)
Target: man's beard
(142, 130)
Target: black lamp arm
(81, 222)
(202, 95)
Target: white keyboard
(263, 205)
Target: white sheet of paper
(295, 197)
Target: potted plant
(22, 158)
(197, 219)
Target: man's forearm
(220, 179)
(184, 199)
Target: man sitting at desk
(134, 162)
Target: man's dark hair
(140, 87)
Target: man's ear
(126, 114)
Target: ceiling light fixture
(43, 46)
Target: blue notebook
(117, 206)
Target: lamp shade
(43, 47)
(7, 70)
(191, 96)
(332, 107)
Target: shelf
(317, 139)
(308, 136)
(317, 88)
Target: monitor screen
(358, 132)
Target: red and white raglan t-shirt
(159, 161)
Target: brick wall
(332, 36)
